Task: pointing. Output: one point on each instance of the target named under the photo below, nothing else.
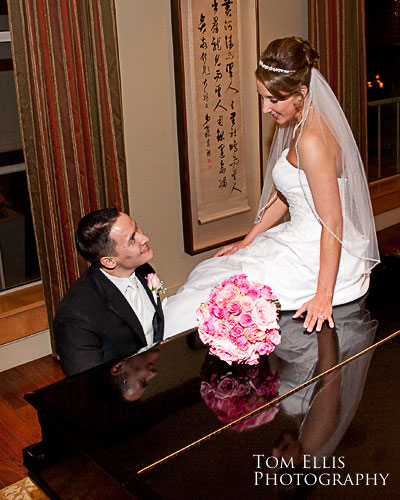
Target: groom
(109, 312)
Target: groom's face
(131, 248)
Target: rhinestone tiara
(275, 70)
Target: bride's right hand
(230, 249)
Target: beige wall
(278, 19)
(148, 92)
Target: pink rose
(208, 326)
(253, 356)
(227, 294)
(234, 308)
(243, 284)
(246, 303)
(237, 331)
(232, 338)
(153, 282)
(253, 334)
(274, 336)
(224, 349)
(232, 321)
(225, 407)
(253, 371)
(264, 348)
(205, 389)
(243, 387)
(267, 292)
(253, 293)
(213, 296)
(264, 315)
(219, 312)
(243, 353)
(237, 278)
(202, 314)
(252, 361)
(242, 342)
(268, 387)
(227, 387)
(245, 319)
(258, 285)
(221, 328)
(206, 338)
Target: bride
(324, 254)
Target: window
(18, 255)
(383, 87)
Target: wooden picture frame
(216, 52)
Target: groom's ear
(117, 368)
(108, 262)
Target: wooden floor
(18, 423)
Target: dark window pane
(3, 16)
(19, 262)
(10, 138)
(383, 83)
(18, 255)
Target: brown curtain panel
(69, 96)
(337, 30)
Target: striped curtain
(69, 96)
(337, 30)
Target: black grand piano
(315, 419)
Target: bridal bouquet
(239, 321)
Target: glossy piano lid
(337, 436)
(342, 442)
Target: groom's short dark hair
(92, 237)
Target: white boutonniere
(155, 285)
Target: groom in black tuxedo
(109, 312)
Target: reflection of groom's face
(131, 248)
(136, 373)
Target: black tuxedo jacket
(94, 322)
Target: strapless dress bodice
(287, 180)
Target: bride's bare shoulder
(317, 140)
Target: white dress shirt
(134, 292)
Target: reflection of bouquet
(234, 391)
(239, 321)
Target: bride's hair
(293, 58)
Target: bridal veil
(323, 113)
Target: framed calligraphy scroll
(218, 114)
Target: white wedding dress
(286, 258)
